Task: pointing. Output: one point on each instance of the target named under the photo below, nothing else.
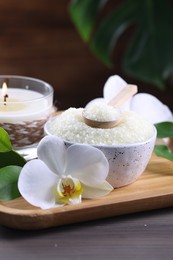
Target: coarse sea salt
(101, 112)
(70, 127)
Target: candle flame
(4, 89)
(4, 92)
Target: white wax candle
(23, 105)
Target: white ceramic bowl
(126, 161)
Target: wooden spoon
(116, 102)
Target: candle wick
(5, 99)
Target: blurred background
(38, 39)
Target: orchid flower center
(68, 189)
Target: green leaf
(84, 14)
(111, 28)
(8, 182)
(11, 158)
(5, 144)
(163, 151)
(148, 56)
(164, 129)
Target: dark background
(38, 39)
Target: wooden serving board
(153, 190)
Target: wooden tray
(153, 190)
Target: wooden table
(147, 235)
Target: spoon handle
(123, 95)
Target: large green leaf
(7, 155)
(164, 129)
(111, 28)
(11, 158)
(8, 182)
(84, 14)
(149, 55)
(5, 144)
(163, 151)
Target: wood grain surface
(153, 190)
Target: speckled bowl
(126, 161)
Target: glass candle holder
(25, 105)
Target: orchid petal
(150, 108)
(75, 200)
(87, 163)
(95, 192)
(112, 86)
(52, 151)
(37, 184)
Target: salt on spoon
(127, 92)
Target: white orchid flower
(147, 105)
(64, 175)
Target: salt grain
(101, 112)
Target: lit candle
(18, 105)
(14, 103)
(25, 105)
